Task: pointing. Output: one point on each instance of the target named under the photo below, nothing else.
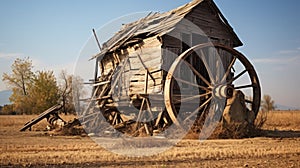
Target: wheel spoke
(207, 67)
(192, 84)
(192, 98)
(197, 73)
(199, 108)
(219, 65)
(211, 74)
(244, 86)
(228, 70)
(239, 75)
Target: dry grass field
(279, 148)
(283, 120)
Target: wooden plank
(148, 61)
(141, 83)
(146, 68)
(41, 116)
(184, 27)
(146, 82)
(135, 83)
(213, 31)
(154, 72)
(157, 81)
(101, 83)
(172, 40)
(140, 90)
(204, 7)
(154, 62)
(139, 80)
(213, 28)
(152, 42)
(138, 77)
(200, 14)
(146, 55)
(118, 76)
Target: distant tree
(20, 101)
(21, 75)
(65, 91)
(267, 104)
(43, 92)
(70, 91)
(19, 81)
(7, 110)
(35, 92)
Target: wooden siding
(150, 54)
(204, 17)
(132, 80)
(201, 21)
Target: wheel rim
(214, 82)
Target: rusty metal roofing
(151, 25)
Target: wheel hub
(223, 91)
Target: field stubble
(37, 148)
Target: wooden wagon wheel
(124, 114)
(210, 79)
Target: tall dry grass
(282, 120)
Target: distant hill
(4, 97)
(282, 107)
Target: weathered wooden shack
(171, 31)
(134, 64)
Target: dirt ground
(279, 148)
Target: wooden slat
(154, 62)
(141, 84)
(140, 77)
(140, 90)
(101, 83)
(150, 82)
(41, 116)
(153, 71)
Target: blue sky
(52, 34)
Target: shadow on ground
(280, 133)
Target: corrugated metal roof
(152, 24)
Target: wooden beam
(119, 75)
(43, 115)
(146, 68)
